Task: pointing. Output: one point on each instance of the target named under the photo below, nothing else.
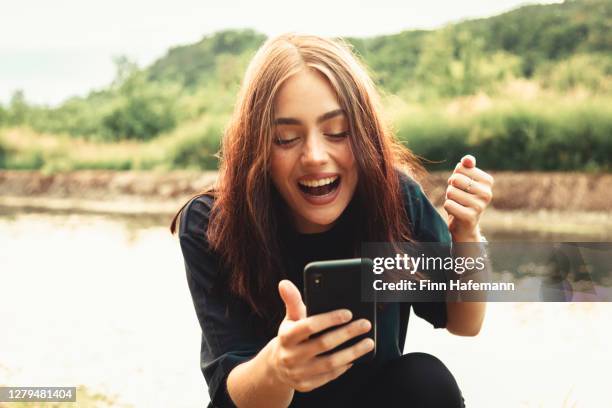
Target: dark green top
(230, 335)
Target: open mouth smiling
(319, 187)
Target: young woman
(309, 171)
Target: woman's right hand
(294, 356)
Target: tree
(4, 116)
(451, 62)
(125, 69)
(18, 108)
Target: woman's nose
(315, 151)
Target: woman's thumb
(468, 161)
(292, 298)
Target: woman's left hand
(468, 194)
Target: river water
(101, 301)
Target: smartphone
(331, 285)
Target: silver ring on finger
(469, 186)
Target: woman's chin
(311, 223)
(317, 218)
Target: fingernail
(347, 315)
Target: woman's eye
(286, 136)
(282, 142)
(340, 135)
(289, 138)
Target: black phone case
(331, 285)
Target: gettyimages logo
(493, 272)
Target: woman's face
(312, 163)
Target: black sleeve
(428, 226)
(228, 338)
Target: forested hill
(536, 34)
(557, 47)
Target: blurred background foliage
(526, 90)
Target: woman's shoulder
(425, 221)
(412, 193)
(195, 215)
(201, 261)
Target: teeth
(318, 183)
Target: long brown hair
(245, 215)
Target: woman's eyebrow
(326, 116)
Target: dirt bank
(513, 191)
(535, 191)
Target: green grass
(191, 146)
(544, 135)
(544, 132)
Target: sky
(56, 49)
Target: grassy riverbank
(528, 128)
